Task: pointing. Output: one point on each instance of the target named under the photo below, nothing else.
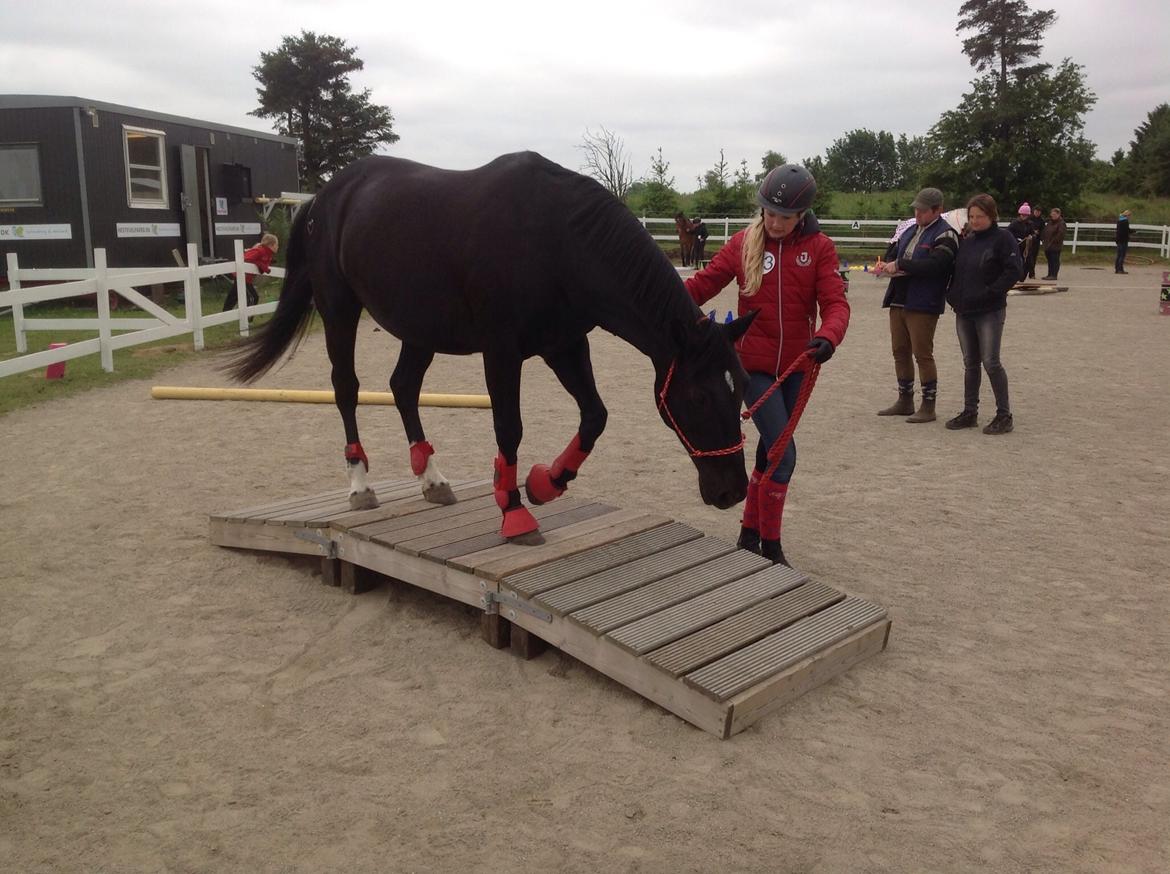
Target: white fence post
(1076, 227)
(241, 288)
(17, 309)
(103, 308)
(193, 295)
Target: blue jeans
(772, 418)
(979, 338)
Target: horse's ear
(739, 327)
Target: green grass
(136, 362)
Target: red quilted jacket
(788, 298)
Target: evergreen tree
(657, 196)
(1147, 167)
(1007, 35)
(304, 85)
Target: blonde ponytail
(753, 257)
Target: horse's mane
(633, 263)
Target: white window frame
(39, 200)
(161, 137)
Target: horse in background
(686, 238)
(560, 256)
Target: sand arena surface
(169, 705)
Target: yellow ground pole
(304, 396)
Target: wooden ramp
(715, 634)
(1035, 286)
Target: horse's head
(700, 395)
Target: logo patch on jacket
(769, 262)
(804, 259)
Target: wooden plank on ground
(434, 512)
(500, 561)
(275, 538)
(419, 572)
(426, 524)
(248, 512)
(598, 587)
(319, 513)
(715, 641)
(600, 558)
(750, 706)
(483, 535)
(659, 629)
(405, 506)
(770, 655)
(657, 596)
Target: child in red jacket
(261, 256)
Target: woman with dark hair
(988, 264)
(787, 273)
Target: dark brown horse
(686, 238)
(518, 258)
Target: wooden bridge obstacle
(717, 635)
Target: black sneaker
(1001, 424)
(965, 419)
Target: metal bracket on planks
(499, 602)
(328, 546)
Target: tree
(770, 162)
(1147, 170)
(607, 162)
(658, 196)
(913, 157)
(1007, 34)
(863, 161)
(304, 85)
(824, 198)
(718, 194)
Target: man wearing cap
(1025, 233)
(919, 264)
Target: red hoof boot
(520, 526)
(539, 485)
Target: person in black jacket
(988, 264)
(701, 234)
(919, 265)
(1122, 240)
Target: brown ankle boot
(904, 405)
(925, 413)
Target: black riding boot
(770, 549)
(749, 539)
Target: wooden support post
(525, 644)
(331, 571)
(356, 579)
(496, 630)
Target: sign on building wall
(236, 229)
(148, 229)
(221, 207)
(36, 232)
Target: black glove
(822, 349)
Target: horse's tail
(255, 356)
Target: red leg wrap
(540, 483)
(772, 497)
(751, 504)
(354, 452)
(517, 519)
(419, 453)
(504, 483)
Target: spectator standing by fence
(701, 234)
(260, 256)
(1052, 239)
(919, 265)
(1025, 233)
(1034, 252)
(1121, 237)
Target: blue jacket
(927, 268)
(987, 266)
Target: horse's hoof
(529, 538)
(439, 493)
(366, 500)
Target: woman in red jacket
(786, 270)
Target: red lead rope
(804, 362)
(809, 364)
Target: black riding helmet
(788, 189)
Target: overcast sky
(469, 81)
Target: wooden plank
(715, 641)
(492, 564)
(526, 645)
(293, 502)
(407, 506)
(419, 572)
(631, 672)
(561, 518)
(432, 513)
(495, 630)
(600, 558)
(428, 526)
(480, 534)
(752, 705)
(598, 587)
(275, 538)
(770, 655)
(319, 514)
(659, 629)
(643, 601)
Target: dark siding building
(77, 174)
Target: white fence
(876, 233)
(119, 332)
